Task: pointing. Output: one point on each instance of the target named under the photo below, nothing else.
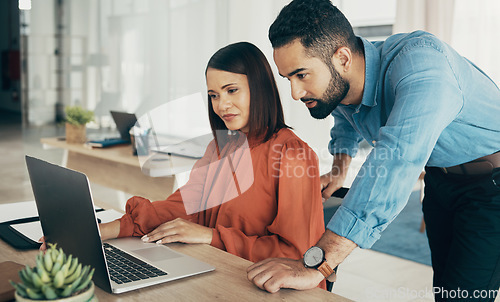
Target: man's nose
(298, 91)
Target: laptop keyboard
(124, 268)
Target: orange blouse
(261, 200)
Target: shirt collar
(372, 70)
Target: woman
(256, 191)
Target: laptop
(68, 218)
(124, 122)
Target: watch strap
(327, 272)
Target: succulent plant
(55, 276)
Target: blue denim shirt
(423, 105)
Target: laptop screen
(67, 214)
(124, 122)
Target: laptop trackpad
(156, 253)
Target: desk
(115, 167)
(227, 283)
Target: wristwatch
(314, 257)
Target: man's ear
(342, 59)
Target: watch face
(313, 256)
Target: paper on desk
(17, 210)
(33, 230)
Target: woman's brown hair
(266, 114)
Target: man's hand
(275, 273)
(333, 180)
(330, 183)
(179, 230)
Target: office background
(134, 55)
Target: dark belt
(483, 165)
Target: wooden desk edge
(120, 154)
(228, 266)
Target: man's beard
(335, 92)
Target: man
(420, 105)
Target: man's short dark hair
(318, 24)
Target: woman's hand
(43, 247)
(179, 230)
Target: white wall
(475, 33)
(368, 13)
(41, 62)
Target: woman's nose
(224, 103)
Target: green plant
(55, 276)
(76, 115)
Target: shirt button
(373, 142)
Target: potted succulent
(76, 119)
(55, 277)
